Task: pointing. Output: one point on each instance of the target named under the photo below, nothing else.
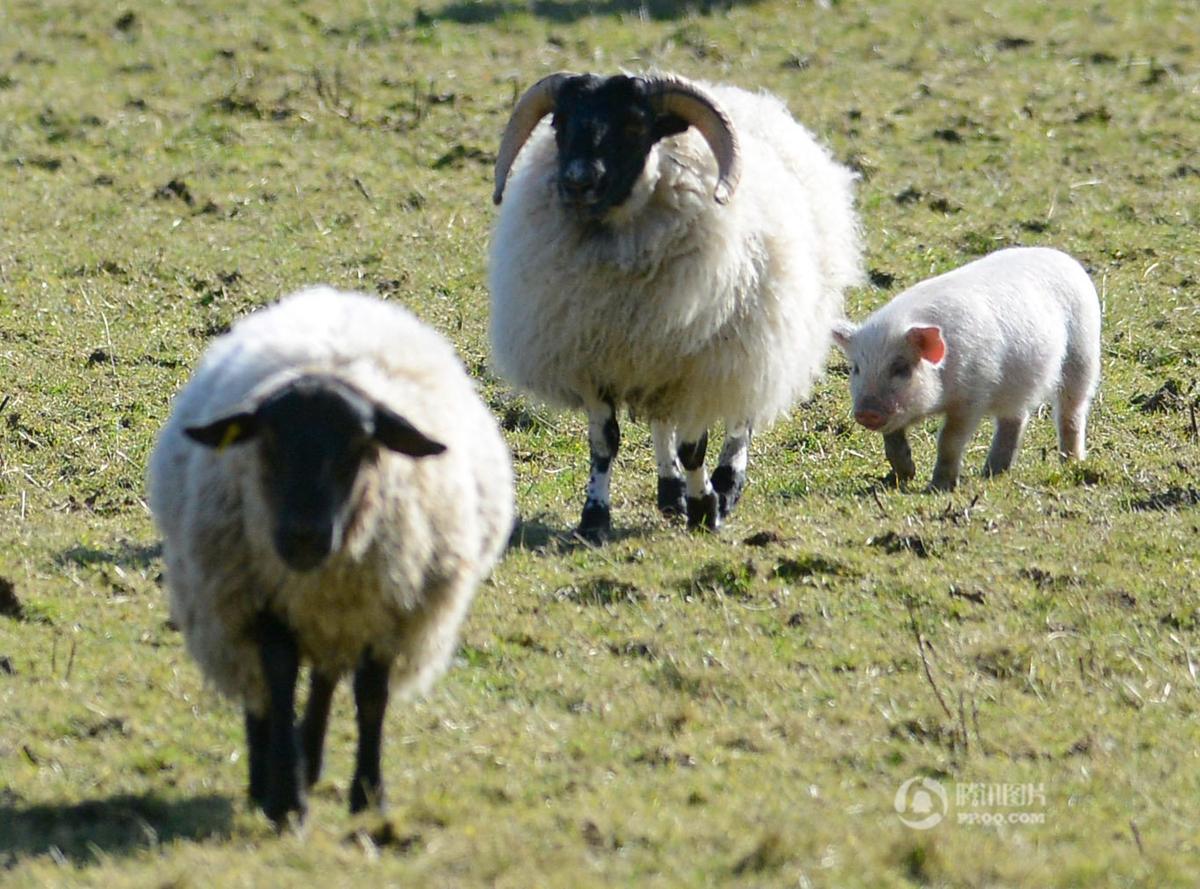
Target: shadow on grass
(888, 484)
(126, 555)
(864, 487)
(118, 825)
(475, 12)
(1164, 501)
(536, 536)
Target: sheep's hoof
(671, 499)
(258, 794)
(285, 810)
(365, 794)
(729, 484)
(704, 512)
(595, 524)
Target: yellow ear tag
(232, 433)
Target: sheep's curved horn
(537, 102)
(674, 95)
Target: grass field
(670, 709)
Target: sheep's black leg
(729, 478)
(281, 664)
(316, 718)
(671, 488)
(258, 746)
(370, 699)
(703, 508)
(604, 440)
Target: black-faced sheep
(677, 248)
(331, 490)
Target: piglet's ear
(397, 434)
(227, 431)
(843, 332)
(928, 343)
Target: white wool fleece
(427, 531)
(686, 310)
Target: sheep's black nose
(304, 547)
(579, 177)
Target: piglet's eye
(901, 369)
(854, 369)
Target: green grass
(669, 710)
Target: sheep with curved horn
(674, 247)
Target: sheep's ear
(227, 431)
(928, 343)
(397, 434)
(843, 333)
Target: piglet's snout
(871, 414)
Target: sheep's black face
(313, 442)
(604, 129)
(314, 436)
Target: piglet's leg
(1005, 443)
(729, 478)
(671, 500)
(899, 454)
(955, 434)
(1071, 413)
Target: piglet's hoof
(943, 483)
(595, 525)
(901, 474)
(704, 512)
